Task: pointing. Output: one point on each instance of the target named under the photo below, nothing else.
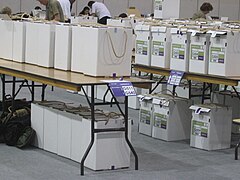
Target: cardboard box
(211, 126)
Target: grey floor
(157, 159)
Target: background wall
(115, 6)
(229, 8)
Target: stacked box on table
(40, 44)
(107, 51)
(160, 46)
(179, 59)
(63, 47)
(171, 117)
(76, 58)
(211, 126)
(143, 44)
(199, 52)
(224, 53)
(6, 36)
(19, 41)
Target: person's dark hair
(90, 3)
(206, 7)
(123, 15)
(38, 8)
(83, 11)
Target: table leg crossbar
(92, 105)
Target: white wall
(229, 8)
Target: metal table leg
(13, 92)
(92, 130)
(3, 91)
(33, 92)
(126, 133)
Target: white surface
(19, 41)
(97, 51)
(183, 41)
(145, 117)
(229, 48)
(172, 120)
(65, 4)
(50, 130)
(37, 121)
(160, 35)
(6, 36)
(179, 8)
(196, 65)
(64, 130)
(143, 45)
(229, 8)
(217, 125)
(63, 47)
(100, 10)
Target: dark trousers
(103, 20)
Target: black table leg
(13, 92)
(3, 91)
(92, 130)
(33, 92)
(126, 133)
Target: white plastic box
(158, 11)
(83, 19)
(160, 46)
(171, 118)
(180, 50)
(101, 157)
(6, 36)
(143, 45)
(76, 57)
(124, 22)
(31, 51)
(227, 99)
(199, 52)
(211, 126)
(37, 123)
(19, 41)
(40, 44)
(63, 47)
(50, 133)
(105, 51)
(224, 53)
(179, 8)
(64, 133)
(46, 44)
(145, 115)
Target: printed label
(200, 128)
(158, 48)
(142, 47)
(197, 52)
(158, 5)
(178, 51)
(217, 55)
(160, 120)
(145, 116)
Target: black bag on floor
(17, 129)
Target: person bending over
(99, 10)
(204, 10)
(54, 10)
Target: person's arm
(56, 12)
(57, 17)
(93, 13)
